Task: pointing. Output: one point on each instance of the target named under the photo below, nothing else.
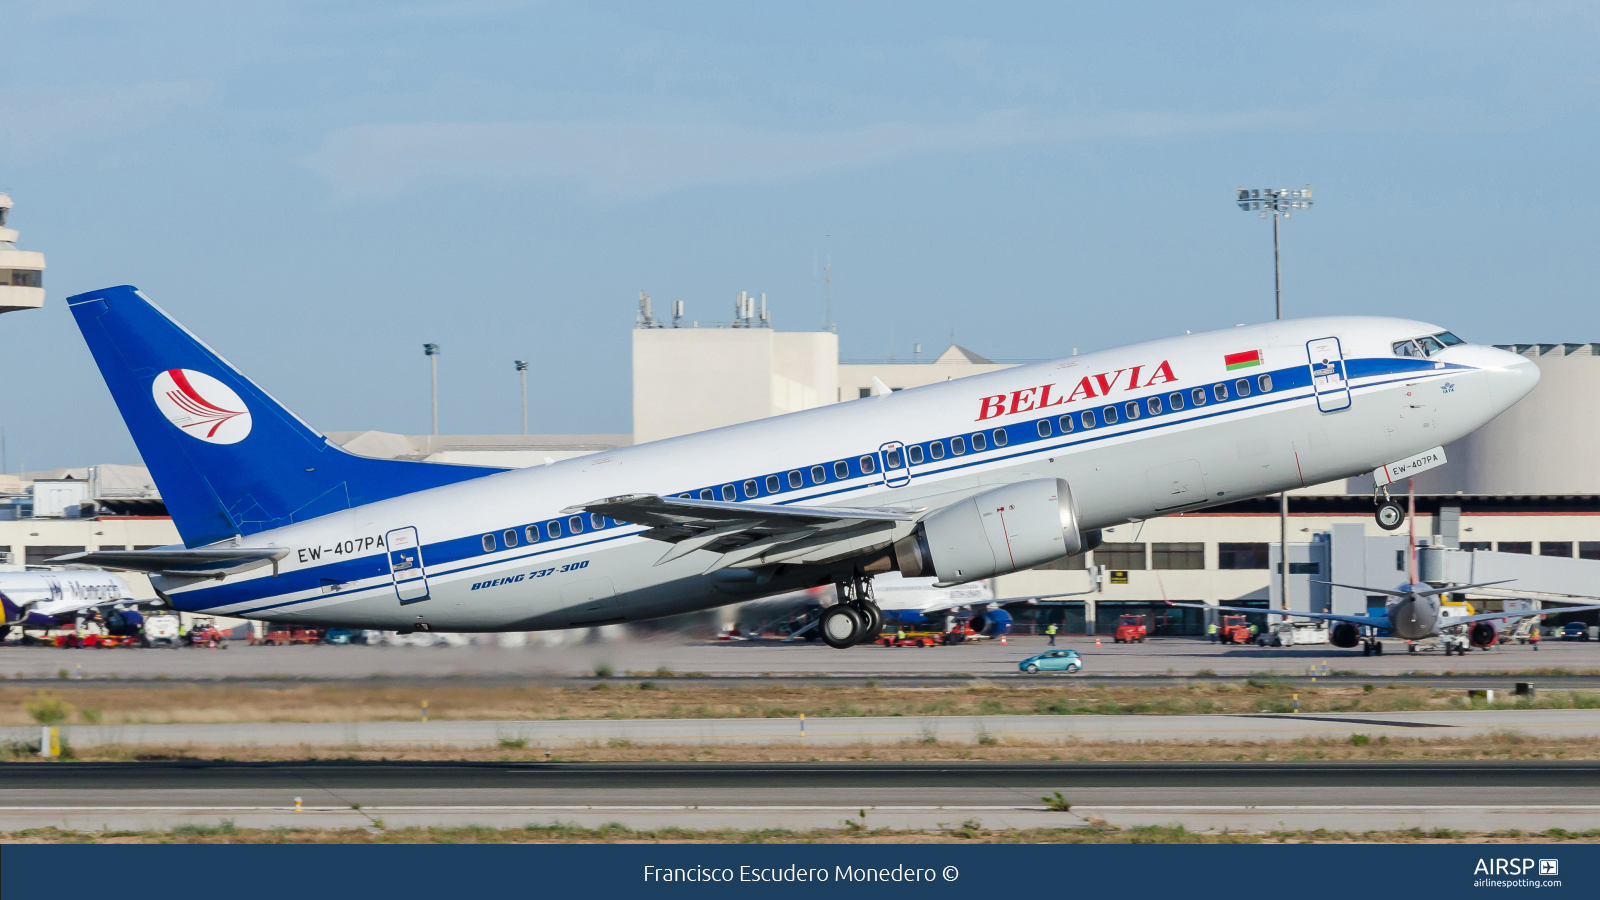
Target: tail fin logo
(201, 406)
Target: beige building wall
(121, 533)
(693, 379)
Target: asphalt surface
(1254, 796)
(885, 730)
(1178, 657)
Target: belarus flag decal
(1242, 360)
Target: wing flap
(205, 562)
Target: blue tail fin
(227, 457)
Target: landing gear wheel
(1366, 649)
(842, 627)
(874, 622)
(1377, 648)
(1390, 515)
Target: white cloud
(634, 158)
(43, 120)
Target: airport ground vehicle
(203, 632)
(163, 629)
(1575, 631)
(278, 634)
(1234, 630)
(1131, 629)
(1052, 661)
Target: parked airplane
(1412, 613)
(962, 480)
(45, 598)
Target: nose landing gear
(855, 619)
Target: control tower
(21, 271)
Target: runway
(1474, 796)
(886, 730)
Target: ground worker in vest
(1052, 632)
(1211, 630)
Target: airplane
(47, 597)
(962, 480)
(1413, 612)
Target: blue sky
(317, 189)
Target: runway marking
(855, 808)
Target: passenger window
(867, 466)
(1132, 409)
(1001, 436)
(1406, 348)
(750, 490)
(1265, 383)
(1044, 428)
(575, 525)
(1109, 414)
(488, 543)
(598, 521)
(1220, 391)
(707, 495)
(957, 446)
(510, 538)
(1242, 387)
(1065, 424)
(1175, 401)
(1198, 395)
(553, 529)
(978, 442)
(773, 484)
(914, 453)
(729, 494)
(796, 480)
(819, 475)
(891, 460)
(936, 449)
(1088, 419)
(841, 470)
(1154, 405)
(531, 533)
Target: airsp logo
(1549, 867)
(201, 406)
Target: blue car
(1052, 661)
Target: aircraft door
(405, 565)
(896, 467)
(1328, 376)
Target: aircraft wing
(177, 562)
(1370, 621)
(751, 534)
(1485, 617)
(1000, 601)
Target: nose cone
(1511, 377)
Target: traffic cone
(1002, 639)
(1097, 642)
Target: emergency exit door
(405, 565)
(1329, 380)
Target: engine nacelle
(992, 622)
(1344, 634)
(124, 622)
(1482, 634)
(1005, 529)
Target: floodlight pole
(432, 352)
(1275, 201)
(522, 369)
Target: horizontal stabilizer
(207, 562)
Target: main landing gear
(1372, 647)
(855, 619)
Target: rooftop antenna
(827, 289)
(646, 318)
(677, 314)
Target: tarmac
(839, 730)
(1200, 796)
(1181, 657)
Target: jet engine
(124, 622)
(1004, 529)
(1344, 634)
(992, 622)
(1482, 634)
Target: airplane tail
(228, 458)
(10, 611)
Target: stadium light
(522, 369)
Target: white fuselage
(1307, 424)
(46, 594)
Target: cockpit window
(1448, 339)
(1430, 346)
(1407, 348)
(1427, 345)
